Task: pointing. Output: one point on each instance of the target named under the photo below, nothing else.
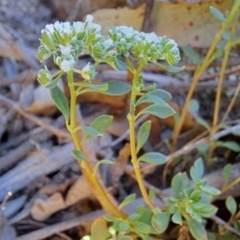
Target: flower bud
(44, 76)
(88, 72)
(67, 64)
(48, 40)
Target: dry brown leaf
(42, 209)
(117, 169)
(42, 102)
(79, 191)
(188, 23)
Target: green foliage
(79, 155)
(98, 126)
(217, 13)
(61, 102)
(143, 134)
(192, 54)
(125, 48)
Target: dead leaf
(187, 23)
(42, 209)
(79, 191)
(117, 170)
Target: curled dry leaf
(117, 169)
(79, 191)
(42, 209)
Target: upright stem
(202, 68)
(131, 119)
(108, 205)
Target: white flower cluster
(65, 41)
(144, 46)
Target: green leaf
(102, 123)
(203, 123)
(141, 227)
(231, 145)
(156, 96)
(79, 155)
(134, 217)
(120, 64)
(227, 172)
(171, 68)
(124, 227)
(153, 157)
(61, 102)
(231, 205)
(164, 95)
(217, 13)
(210, 190)
(196, 171)
(117, 88)
(143, 134)
(207, 211)
(158, 110)
(96, 88)
(226, 35)
(90, 132)
(197, 229)
(129, 199)
(160, 221)
(104, 161)
(98, 126)
(99, 229)
(193, 105)
(179, 182)
(192, 54)
(177, 218)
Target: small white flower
(89, 18)
(108, 43)
(67, 28)
(78, 26)
(50, 28)
(67, 65)
(151, 37)
(88, 72)
(65, 50)
(58, 26)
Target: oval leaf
(99, 230)
(61, 102)
(179, 182)
(143, 134)
(153, 157)
(197, 170)
(217, 13)
(158, 110)
(102, 123)
(231, 205)
(231, 145)
(197, 229)
(227, 172)
(192, 54)
(177, 218)
(160, 221)
(79, 155)
(129, 199)
(164, 95)
(117, 88)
